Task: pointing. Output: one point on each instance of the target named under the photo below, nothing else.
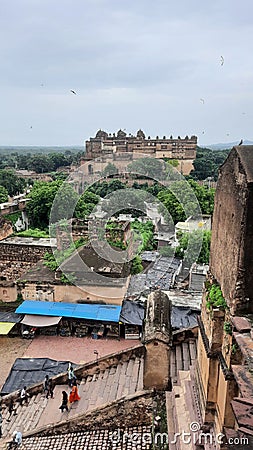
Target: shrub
(215, 298)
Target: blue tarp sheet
(102, 313)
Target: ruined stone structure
(156, 338)
(121, 148)
(233, 229)
(5, 228)
(17, 255)
(225, 344)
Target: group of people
(48, 389)
(73, 396)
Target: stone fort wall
(15, 260)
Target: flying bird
(240, 143)
(202, 100)
(221, 60)
(73, 92)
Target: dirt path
(10, 349)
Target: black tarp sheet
(181, 317)
(132, 312)
(29, 371)
(10, 316)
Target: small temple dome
(121, 134)
(101, 134)
(140, 134)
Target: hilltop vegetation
(207, 163)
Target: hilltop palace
(120, 149)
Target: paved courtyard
(77, 350)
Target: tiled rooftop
(102, 439)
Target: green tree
(42, 197)
(3, 194)
(110, 169)
(148, 167)
(207, 163)
(104, 188)
(86, 204)
(41, 163)
(12, 183)
(58, 160)
(187, 199)
(146, 231)
(183, 252)
(136, 265)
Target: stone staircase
(183, 356)
(184, 416)
(101, 388)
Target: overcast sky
(154, 65)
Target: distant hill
(228, 145)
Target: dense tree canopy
(3, 194)
(146, 231)
(39, 162)
(42, 197)
(59, 200)
(109, 170)
(182, 251)
(180, 199)
(147, 167)
(12, 183)
(86, 204)
(104, 188)
(207, 163)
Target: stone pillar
(156, 338)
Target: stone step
(96, 390)
(193, 350)
(173, 366)
(186, 356)
(140, 376)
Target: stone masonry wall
(229, 232)
(5, 228)
(17, 259)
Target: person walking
(64, 404)
(11, 409)
(50, 388)
(71, 375)
(24, 396)
(45, 386)
(16, 439)
(74, 396)
(1, 423)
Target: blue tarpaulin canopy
(102, 313)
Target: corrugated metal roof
(103, 313)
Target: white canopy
(40, 321)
